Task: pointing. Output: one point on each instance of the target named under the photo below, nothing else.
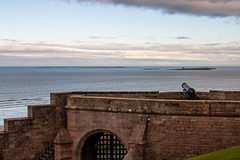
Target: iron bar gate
(109, 147)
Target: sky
(119, 33)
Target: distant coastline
(81, 67)
(151, 68)
(198, 68)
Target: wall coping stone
(154, 100)
(222, 91)
(225, 108)
(63, 137)
(12, 122)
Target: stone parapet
(27, 137)
(1, 128)
(176, 129)
(225, 95)
(211, 95)
(156, 106)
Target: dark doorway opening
(103, 146)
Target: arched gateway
(100, 145)
(149, 125)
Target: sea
(23, 86)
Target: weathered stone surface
(63, 151)
(63, 137)
(27, 138)
(133, 154)
(138, 131)
(175, 129)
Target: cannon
(190, 91)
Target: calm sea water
(22, 86)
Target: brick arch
(88, 141)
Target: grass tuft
(232, 153)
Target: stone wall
(211, 95)
(2, 143)
(24, 138)
(225, 95)
(181, 137)
(155, 106)
(176, 130)
(27, 138)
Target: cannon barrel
(188, 88)
(190, 91)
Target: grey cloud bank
(194, 7)
(121, 54)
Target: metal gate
(109, 147)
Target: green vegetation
(105, 148)
(232, 153)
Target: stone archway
(101, 145)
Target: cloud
(194, 7)
(96, 37)
(121, 53)
(183, 38)
(9, 40)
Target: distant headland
(82, 67)
(198, 68)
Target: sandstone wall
(176, 129)
(211, 95)
(181, 137)
(225, 95)
(24, 138)
(81, 123)
(2, 143)
(27, 138)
